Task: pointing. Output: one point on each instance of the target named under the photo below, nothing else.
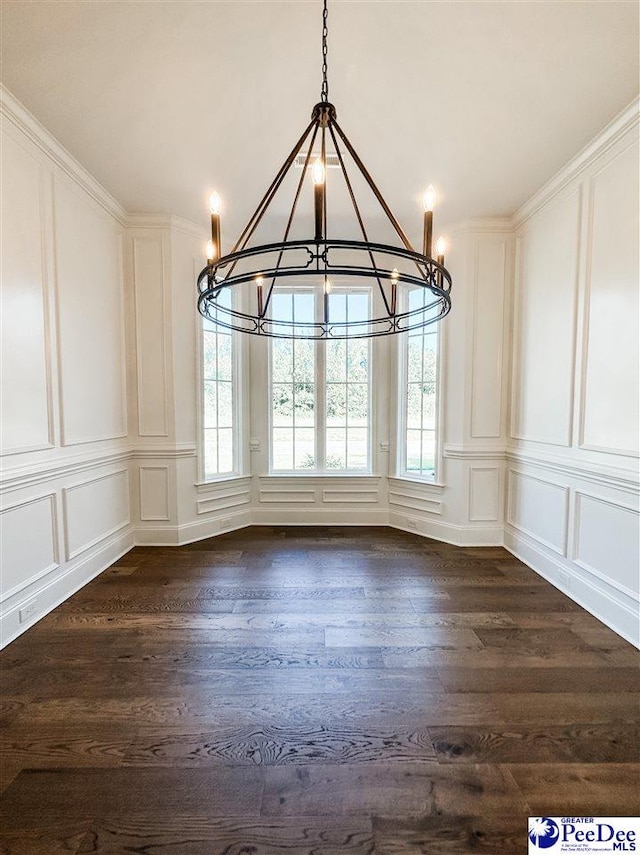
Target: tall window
(320, 391)
(421, 354)
(218, 371)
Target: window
(320, 391)
(420, 399)
(218, 374)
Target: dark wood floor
(313, 691)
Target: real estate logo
(543, 832)
(584, 834)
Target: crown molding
(483, 225)
(601, 143)
(15, 112)
(165, 221)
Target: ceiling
(163, 101)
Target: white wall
(572, 506)
(65, 482)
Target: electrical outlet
(226, 522)
(28, 611)
(412, 523)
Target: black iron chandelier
(239, 290)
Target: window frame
(402, 404)
(320, 384)
(237, 403)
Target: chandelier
(405, 289)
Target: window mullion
(321, 390)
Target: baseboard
(181, 535)
(601, 601)
(57, 587)
(456, 535)
(302, 516)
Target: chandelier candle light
(399, 272)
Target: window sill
(422, 482)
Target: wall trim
(618, 478)
(71, 554)
(604, 140)
(15, 112)
(620, 615)
(57, 590)
(471, 452)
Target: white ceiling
(163, 101)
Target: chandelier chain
(324, 97)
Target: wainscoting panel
(484, 493)
(89, 286)
(154, 492)
(28, 540)
(94, 510)
(25, 379)
(613, 558)
(539, 509)
(488, 322)
(150, 309)
(545, 323)
(610, 383)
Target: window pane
(358, 361)
(209, 368)
(305, 457)
(336, 404)
(282, 406)
(414, 405)
(414, 454)
(336, 448)
(282, 448)
(225, 407)
(357, 451)
(224, 357)
(421, 397)
(282, 360)
(218, 395)
(358, 405)
(304, 404)
(336, 361)
(210, 404)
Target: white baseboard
(617, 612)
(180, 535)
(320, 516)
(457, 535)
(55, 588)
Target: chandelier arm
(273, 188)
(358, 215)
(291, 216)
(367, 177)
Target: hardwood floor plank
(426, 637)
(580, 789)
(438, 835)
(575, 743)
(392, 789)
(278, 745)
(232, 836)
(123, 792)
(597, 679)
(44, 839)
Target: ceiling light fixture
(413, 288)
